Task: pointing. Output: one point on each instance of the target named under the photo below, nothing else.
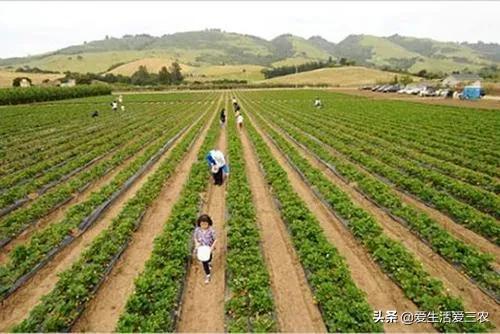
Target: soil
(454, 281)
(381, 292)
(202, 308)
(104, 310)
(60, 212)
(17, 306)
(295, 305)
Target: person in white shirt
(218, 166)
(317, 103)
(239, 121)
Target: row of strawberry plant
(77, 124)
(84, 154)
(482, 200)
(389, 139)
(469, 260)
(23, 168)
(250, 307)
(450, 153)
(38, 119)
(477, 157)
(21, 162)
(459, 212)
(60, 308)
(453, 127)
(36, 94)
(154, 305)
(458, 127)
(378, 138)
(25, 257)
(343, 305)
(425, 291)
(17, 221)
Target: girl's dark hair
(204, 218)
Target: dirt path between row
(202, 307)
(78, 197)
(456, 230)
(60, 212)
(295, 306)
(435, 265)
(381, 292)
(17, 306)
(103, 312)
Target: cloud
(35, 27)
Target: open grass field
(341, 76)
(152, 64)
(246, 72)
(329, 218)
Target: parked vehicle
(381, 88)
(427, 91)
(392, 89)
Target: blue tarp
(471, 93)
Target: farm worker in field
(218, 166)
(237, 108)
(222, 117)
(120, 99)
(204, 242)
(114, 106)
(123, 107)
(239, 121)
(235, 103)
(317, 103)
(95, 114)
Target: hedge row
(41, 94)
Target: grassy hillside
(192, 73)
(152, 64)
(230, 72)
(341, 76)
(412, 54)
(217, 48)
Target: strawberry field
(332, 219)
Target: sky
(28, 28)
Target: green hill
(349, 76)
(213, 47)
(413, 54)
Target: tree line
(142, 77)
(309, 66)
